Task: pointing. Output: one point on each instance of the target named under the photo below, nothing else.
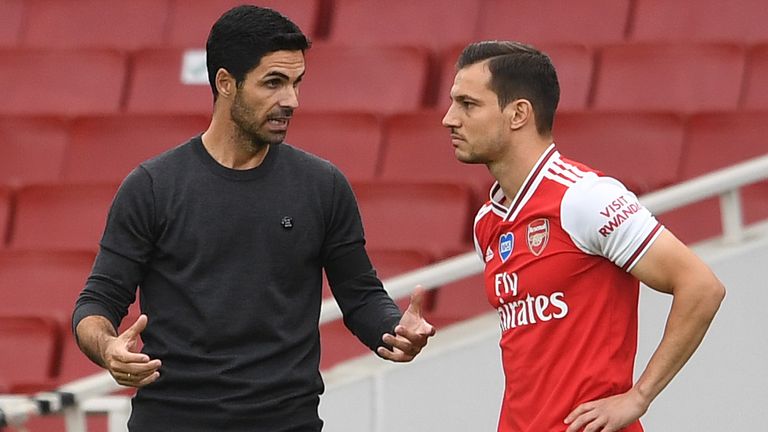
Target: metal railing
(88, 394)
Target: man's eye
(273, 83)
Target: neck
(231, 148)
(511, 170)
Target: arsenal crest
(538, 235)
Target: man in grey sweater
(227, 236)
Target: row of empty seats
(429, 23)
(678, 77)
(646, 150)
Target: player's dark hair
(518, 71)
(243, 35)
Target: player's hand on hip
(128, 366)
(411, 334)
(607, 415)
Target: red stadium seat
(11, 16)
(352, 141)
(337, 342)
(641, 150)
(427, 23)
(32, 149)
(61, 216)
(755, 95)
(106, 149)
(43, 283)
(35, 344)
(553, 21)
(459, 300)
(156, 86)
(431, 217)
(664, 77)
(5, 214)
(699, 20)
(418, 149)
(361, 79)
(61, 82)
(716, 141)
(190, 21)
(574, 65)
(94, 23)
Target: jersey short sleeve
(603, 218)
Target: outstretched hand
(411, 334)
(128, 366)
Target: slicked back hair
(518, 71)
(243, 35)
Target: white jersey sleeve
(603, 218)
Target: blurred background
(653, 92)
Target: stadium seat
(643, 150)
(94, 23)
(574, 65)
(190, 22)
(431, 217)
(61, 216)
(156, 86)
(43, 283)
(34, 342)
(459, 300)
(715, 141)
(107, 148)
(61, 82)
(361, 79)
(590, 22)
(683, 78)
(31, 149)
(699, 20)
(755, 95)
(5, 214)
(11, 16)
(418, 149)
(426, 23)
(337, 342)
(352, 141)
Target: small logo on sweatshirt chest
(287, 222)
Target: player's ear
(519, 112)
(226, 85)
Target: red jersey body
(556, 270)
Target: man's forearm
(689, 318)
(92, 333)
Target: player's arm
(669, 267)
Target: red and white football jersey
(556, 270)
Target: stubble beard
(247, 132)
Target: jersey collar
(526, 190)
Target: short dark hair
(518, 71)
(243, 35)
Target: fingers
(135, 380)
(136, 374)
(137, 327)
(417, 299)
(406, 344)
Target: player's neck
(512, 171)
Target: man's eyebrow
(281, 75)
(464, 98)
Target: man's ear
(226, 85)
(519, 112)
